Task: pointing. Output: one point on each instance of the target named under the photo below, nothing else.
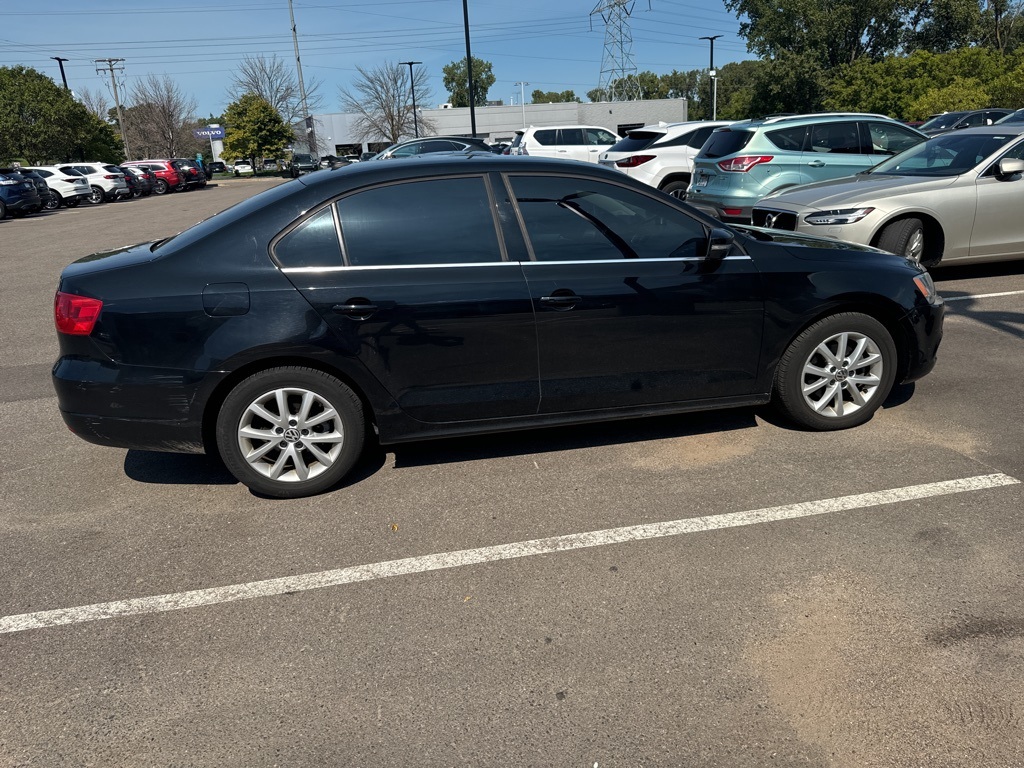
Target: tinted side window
(841, 138)
(597, 136)
(314, 243)
(45, 174)
(438, 221)
(699, 137)
(971, 121)
(570, 219)
(571, 136)
(890, 139)
(546, 137)
(791, 139)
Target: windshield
(941, 122)
(1013, 117)
(950, 154)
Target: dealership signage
(209, 132)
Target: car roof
(812, 117)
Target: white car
(661, 155)
(68, 188)
(242, 166)
(571, 142)
(106, 182)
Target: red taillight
(110, 176)
(75, 315)
(744, 163)
(634, 161)
(70, 181)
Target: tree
(944, 25)
(159, 119)
(42, 122)
(95, 102)
(274, 82)
(456, 81)
(254, 130)
(552, 97)
(381, 99)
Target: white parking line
(436, 562)
(982, 296)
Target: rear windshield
(725, 141)
(517, 140)
(635, 141)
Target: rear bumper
(27, 203)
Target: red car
(166, 175)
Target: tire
(53, 202)
(677, 189)
(815, 390)
(270, 454)
(72, 203)
(97, 196)
(136, 194)
(905, 238)
(160, 187)
(3, 210)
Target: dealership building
(335, 133)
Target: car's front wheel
(290, 432)
(905, 238)
(836, 373)
(97, 196)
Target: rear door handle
(356, 309)
(561, 302)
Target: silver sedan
(956, 198)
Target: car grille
(765, 217)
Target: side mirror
(720, 243)
(1010, 167)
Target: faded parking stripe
(441, 561)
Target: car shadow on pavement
(564, 438)
(176, 468)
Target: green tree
(962, 93)
(42, 122)
(552, 97)
(945, 25)
(254, 130)
(456, 82)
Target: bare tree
(160, 119)
(95, 102)
(275, 82)
(382, 102)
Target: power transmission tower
(111, 65)
(618, 70)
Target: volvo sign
(209, 132)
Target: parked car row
(30, 189)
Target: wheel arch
(674, 176)
(933, 233)
(215, 399)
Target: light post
(63, 77)
(412, 85)
(469, 71)
(714, 76)
(522, 99)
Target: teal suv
(745, 161)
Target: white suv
(661, 155)
(573, 142)
(106, 182)
(67, 188)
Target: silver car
(956, 198)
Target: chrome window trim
(678, 259)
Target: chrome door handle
(356, 311)
(817, 164)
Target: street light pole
(522, 99)
(469, 70)
(61, 61)
(412, 85)
(714, 77)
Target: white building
(335, 134)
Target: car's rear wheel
(160, 187)
(53, 202)
(905, 238)
(836, 373)
(290, 432)
(97, 196)
(677, 189)
(72, 203)
(3, 210)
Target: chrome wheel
(97, 196)
(290, 435)
(842, 374)
(915, 246)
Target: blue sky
(554, 45)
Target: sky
(554, 45)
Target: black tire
(97, 196)
(53, 202)
(867, 379)
(136, 194)
(72, 203)
(905, 238)
(160, 187)
(3, 210)
(677, 189)
(339, 439)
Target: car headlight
(838, 216)
(926, 287)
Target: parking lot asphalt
(714, 589)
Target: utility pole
(469, 70)
(306, 117)
(522, 99)
(412, 85)
(63, 77)
(111, 65)
(714, 77)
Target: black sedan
(467, 294)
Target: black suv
(468, 294)
(304, 164)
(18, 193)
